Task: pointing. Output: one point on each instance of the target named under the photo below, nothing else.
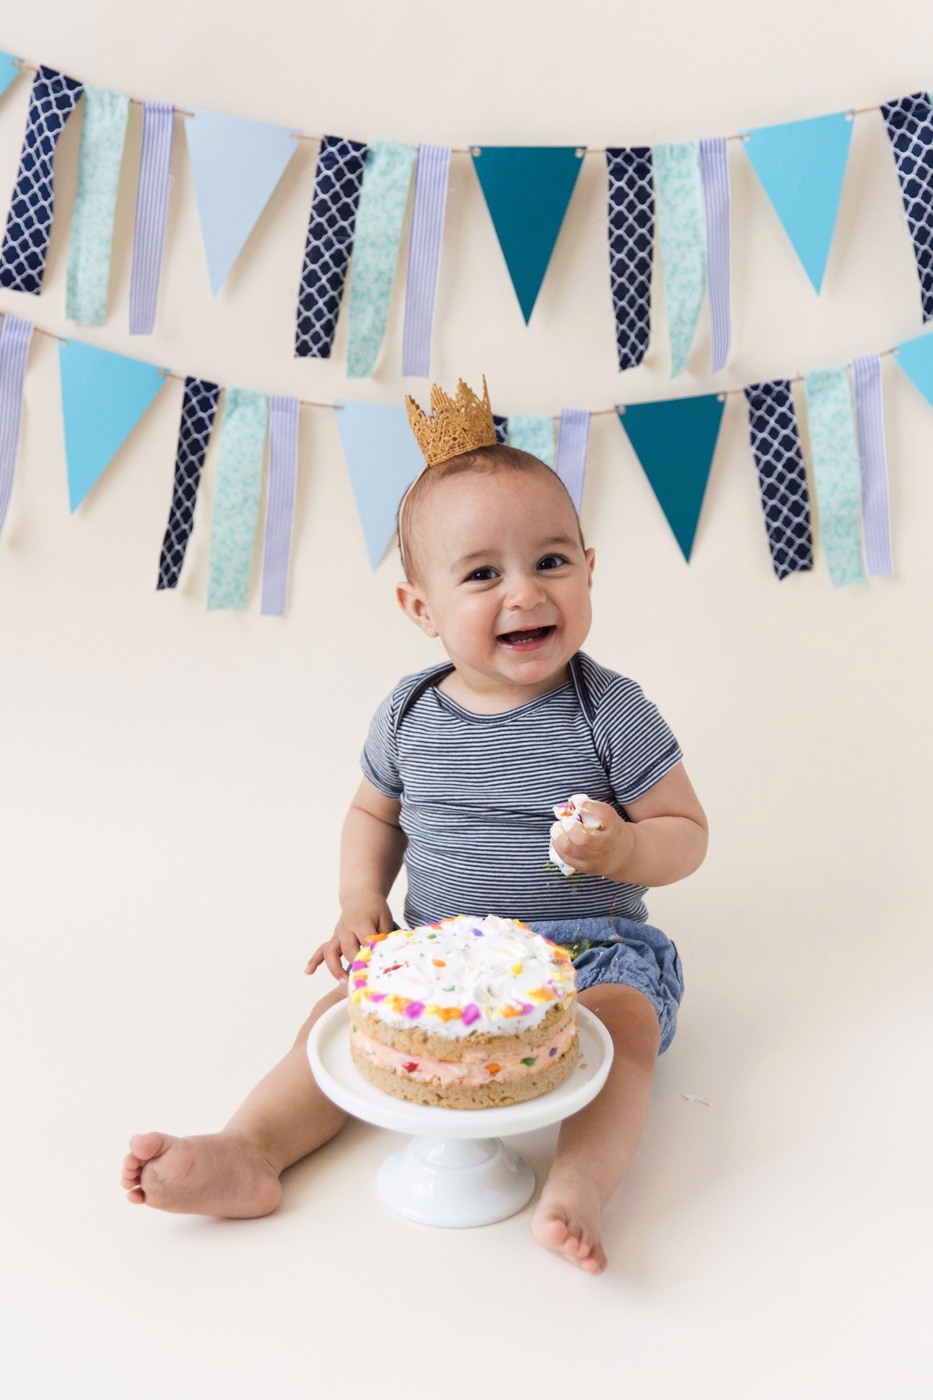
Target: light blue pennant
(100, 155)
(8, 71)
(682, 235)
(237, 163)
(236, 498)
(802, 166)
(836, 472)
(383, 460)
(534, 433)
(915, 358)
(379, 219)
(527, 190)
(675, 440)
(104, 395)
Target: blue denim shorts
(620, 950)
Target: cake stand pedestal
(455, 1171)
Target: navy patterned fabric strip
(29, 222)
(909, 124)
(781, 476)
(631, 248)
(329, 243)
(502, 427)
(198, 409)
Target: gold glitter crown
(455, 425)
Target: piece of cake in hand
(465, 1013)
(569, 814)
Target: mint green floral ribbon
(99, 157)
(836, 471)
(534, 433)
(236, 502)
(379, 219)
(682, 235)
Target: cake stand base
(455, 1183)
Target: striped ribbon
(151, 210)
(89, 244)
(236, 501)
(15, 335)
(280, 502)
(424, 257)
(714, 168)
(572, 436)
(869, 424)
(198, 409)
(836, 472)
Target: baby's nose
(525, 591)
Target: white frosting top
(462, 975)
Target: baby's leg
(236, 1172)
(596, 1145)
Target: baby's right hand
(357, 921)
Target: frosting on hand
(570, 814)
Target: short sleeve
(635, 741)
(379, 759)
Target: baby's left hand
(604, 851)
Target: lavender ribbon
(572, 436)
(280, 502)
(15, 335)
(714, 169)
(151, 210)
(873, 465)
(424, 257)
(26, 241)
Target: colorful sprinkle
(516, 968)
(528, 1062)
(410, 1065)
(358, 966)
(553, 1051)
(359, 981)
(471, 1013)
(494, 1069)
(449, 1013)
(414, 1009)
(376, 996)
(437, 962)
(395, 967)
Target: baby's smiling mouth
(526, 638)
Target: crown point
(455, 425)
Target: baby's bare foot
(212, 1175)
(567, 1220)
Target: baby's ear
(415, 607)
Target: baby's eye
(481, 575)
(551, 561)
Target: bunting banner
(836, 472)
(328, 245)
(572, 436)
(15, 337)
(26, 241)
(534, 433)
(527, 190)
(873, 463)
(9, 69)
(236, 163)
(681, 230)
(104, 395)
(675, 439)
(782, 476)
(802, 166)
(631, 249)
(198, 409)
(383, 460)
(100, 155)
(714, 171)
(151, 210)
(909, 124)
(915, 358)
(424, 257)
(280, 503)
(236, 499)
(383, 200)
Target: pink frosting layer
(473, 1069)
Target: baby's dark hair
(496, 458)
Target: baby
(462, 767)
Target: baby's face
(504, 578)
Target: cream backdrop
(174, 781)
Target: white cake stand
(455, 1171)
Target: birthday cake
(465, 1013)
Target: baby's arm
(371, 850)
(664, 841)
